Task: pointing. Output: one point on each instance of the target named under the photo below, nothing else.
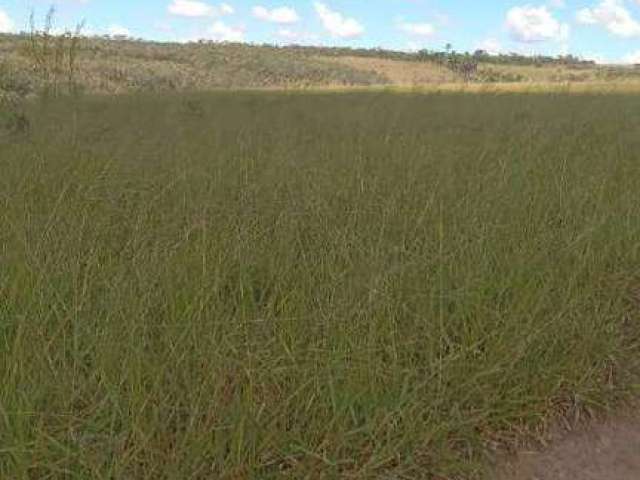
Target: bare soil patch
(609, 450)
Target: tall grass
(53, 56)
(311, 286)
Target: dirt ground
(609, 450)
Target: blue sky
(604, 30)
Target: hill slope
(106, 65)
(115, 66)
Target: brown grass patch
(399, 72)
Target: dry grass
(538, 74)
(620, 87)
(496, 78)
(112, 67)
(399, 72)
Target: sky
(607, 31)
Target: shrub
(53, 57)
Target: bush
(491, 75)
(53, 57)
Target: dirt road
(607, 451)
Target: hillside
(114, 66)
(29, 64)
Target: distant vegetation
(38, 61)
(447, 55)
(116, 66)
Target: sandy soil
(606, 451)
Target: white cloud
(282, 15)
(535, 24)
(6, 24)
(221, 32)
(491, 46)
(190, 8)
(118, 31)
(288, 34)
(612, 15)
(292, 36)
(417, 29)
(412, 47)
(196, 9)
(596, 57)
(226, 9)
(337, 24)
(632, 58)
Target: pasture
(330, 285)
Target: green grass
(358, 285)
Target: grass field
(283, 285)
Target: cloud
(196, 9)
(491, 46)
(612, 15)
(417, 29)
(118, 31)
(292, 36)
(596, 57)
(191, 8)
(530, 24)
(221, 32)
(288, 34)
(6, 24)
(413, 47)
(281, 15)
(226, 9)
(337, 24)
(632, 58)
